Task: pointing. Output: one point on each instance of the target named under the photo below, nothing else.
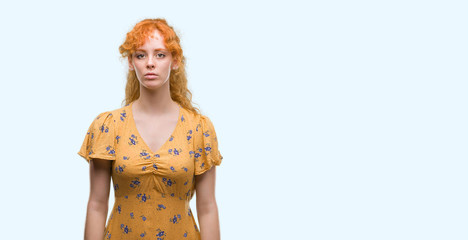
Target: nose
(150, 63)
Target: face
(152, 62)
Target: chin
(153, 83)
(149, 84)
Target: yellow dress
(152, 189)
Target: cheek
(166, 66)
(137, 68)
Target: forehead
(154, 41)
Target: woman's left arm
(207, 209)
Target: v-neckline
(135, 129)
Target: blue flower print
(185, 169)
(185, 234)
(143, 197)
(154, 166)
(143, 234)
(125, 228)
(135, 183)
(207, 149)
(175, 219)
(110, 150)
(119, 169)
(173, 169)
(133, 140)
(123, 115)
(143, 217)
(160, 206)
(168, 181)
(144, 154)
(119, 208)
(198, 154)
(117, 138)
(131, 215)
(116, 187)
(160, 234)
(104, 128)
(174, 151)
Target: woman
(158, 149)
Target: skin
(100, 175)
(155, 115)
(207, 209)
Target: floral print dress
(152, 189)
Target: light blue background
(336, 119)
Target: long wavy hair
(178, 77)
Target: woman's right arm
(100, 175)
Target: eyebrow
(157, 49)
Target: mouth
(151, 74)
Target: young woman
(158, 149)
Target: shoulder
(116, 113)
(108, 118)
(196, 120)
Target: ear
(130, 65)
(174, 65)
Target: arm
(207, 209)
(100, 172)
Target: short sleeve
(99, 140)
(207, 153)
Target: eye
(161, 55)
(139, 56)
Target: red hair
(178, 77)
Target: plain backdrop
(336, 119)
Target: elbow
(207, 206)
(98, 206)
